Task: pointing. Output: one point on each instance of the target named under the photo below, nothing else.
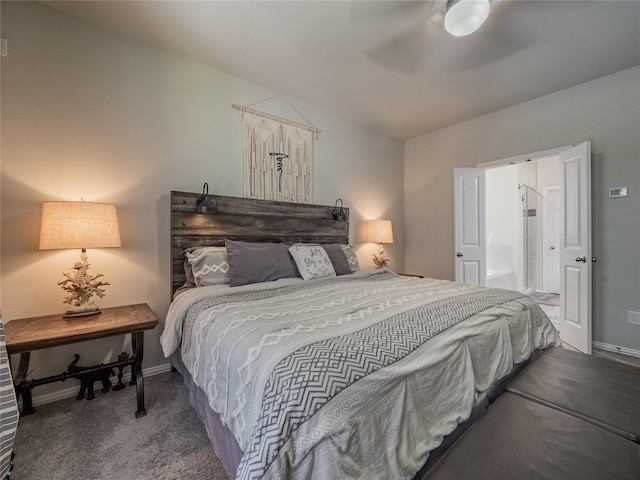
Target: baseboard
(73, 391)
(616, 349)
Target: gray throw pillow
(352, 258)
(338, 258)
(259, 262)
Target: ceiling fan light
(466, 16)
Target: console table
(28, 334)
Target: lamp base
(81, 312)
(81, 286)
(380, 261)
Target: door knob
(552, 247)
(458, 254)
(582, 259)
(594, 259)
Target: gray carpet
(102, 439)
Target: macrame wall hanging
(277, 157)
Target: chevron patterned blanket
(357, 376)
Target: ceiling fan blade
(495, 41)
(506, 32)
(390, 12)
(404, 28)
(427, 46)
(408, 51)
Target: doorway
(574, 225)
(522, 213)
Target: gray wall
(605, 111)
(89, 114)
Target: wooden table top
(27, 334)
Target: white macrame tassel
(262, 179)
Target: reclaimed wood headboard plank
(248, 220)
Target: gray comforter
(350, 377)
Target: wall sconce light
(380, 231)
(83, 225)
(204, 204)
(339, 213)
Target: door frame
(529, 157)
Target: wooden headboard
(248, 220)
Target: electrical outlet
(633, 318)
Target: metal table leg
(137, 346)
(21, 387)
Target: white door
(470, 238)
(575, 247)
(551, 240)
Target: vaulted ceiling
(388, 64)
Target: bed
(311, 367)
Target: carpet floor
(102, 439)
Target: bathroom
(522, 215)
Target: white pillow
(210, 265)
(312, 261)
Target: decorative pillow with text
(312, 261)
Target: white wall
(605, 111)
(503, 213)
(87, 113)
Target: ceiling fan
(453, 35)
(463, 17)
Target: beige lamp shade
(78, 225)
(380, 231)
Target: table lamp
(380, 231)
(81, 225)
